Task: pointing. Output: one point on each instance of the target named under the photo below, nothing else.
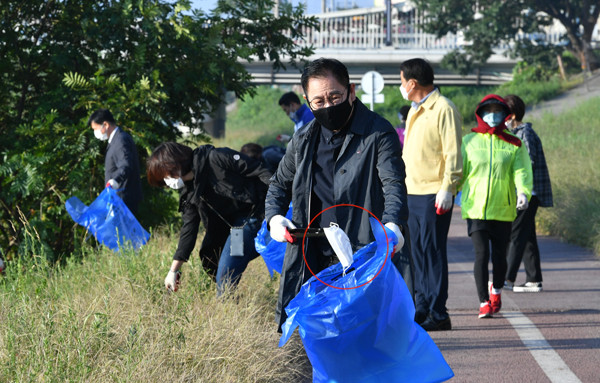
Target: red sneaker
(485, 310)
(495, 300)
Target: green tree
(154, 63)
(487, 24)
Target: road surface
(551, 336)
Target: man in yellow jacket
(433, 161)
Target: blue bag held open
(109, 220)
(367, 333)
(271, 251)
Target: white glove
(394, 228)
(172, 280)
(443, 201)
(279, 225)
(284, 138)
(522, 202)
(112, 183)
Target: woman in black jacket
(223, 189)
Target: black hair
(101, 116)
(288, 98)
(169, 158)
(322, 67)
(516, 106)
(252, 149)
(419, 70)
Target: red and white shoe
(495, 299)
(485, 310)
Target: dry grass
(108, 318)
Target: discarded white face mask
(340, 243)
(174, 183)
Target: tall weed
(106, 317)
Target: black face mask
(334, 117)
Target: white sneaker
(508, 285)
(528, 287)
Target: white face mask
(99, 135)
(292, 115)
(340, 243)
(493, 119)
(174, 183)
(404, 92)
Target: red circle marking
(336, 287)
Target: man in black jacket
(121, 164)
(347, 155)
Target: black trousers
(483, 233)
(524, 246)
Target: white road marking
(551, 363)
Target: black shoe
(432, 325)
(420, 317)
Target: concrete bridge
(365, 39)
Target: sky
(314, 6)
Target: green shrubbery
(153, 63)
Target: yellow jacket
(432, 146)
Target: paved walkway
(552, 336)
(569, 99)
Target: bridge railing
(365, 28)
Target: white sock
(496, 291)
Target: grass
(107, 317)
(571, 145)
(259, 119)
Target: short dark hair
(516, 106)
(168, 158)
(419, 70)
(322, 67)
(101, 116)
(288, 98)
(404, 111)
(252, 149)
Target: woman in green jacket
(497, 180)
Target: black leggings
(482, 234)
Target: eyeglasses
(335, 98)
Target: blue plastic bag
(271, 251)
(457, 199)
(109, 220)
(364, 334)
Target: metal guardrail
(283, 78)
(365, 28)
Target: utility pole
(388, 22)
(276, 8)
